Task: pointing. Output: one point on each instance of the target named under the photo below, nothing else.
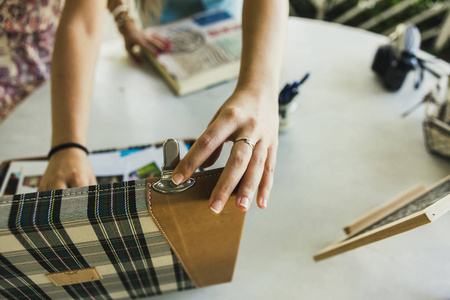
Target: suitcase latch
(171, 152)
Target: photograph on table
(150, 170)
(32, 181)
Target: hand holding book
(132, 35)
(151, 42)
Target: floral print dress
(27, 33)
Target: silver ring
(247, 140)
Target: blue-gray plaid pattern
(104, 226)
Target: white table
(347, 152)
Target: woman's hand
(245, 114)
(67, 168)
(151, 42)
(251, 112)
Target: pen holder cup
(287, 112)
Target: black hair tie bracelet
(65, 146)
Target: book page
(200, 43)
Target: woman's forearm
(73, 67)
(264, 32)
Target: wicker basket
(437, 126)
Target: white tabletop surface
(347, 152)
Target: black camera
(393, 62)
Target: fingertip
(243, 209)
(243, 203)
(214, 210)
(177, 178)
(216, 206)
(93, 181)
(262, 203)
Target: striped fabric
(104, 226)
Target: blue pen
(297, 84)
(289, 91)
(304, 79)
(287, 106)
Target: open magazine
(206, 50)
(24, 176)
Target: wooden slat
(425, 15)
(378, 234)
(430, 33)
(351, 13)
(425, 216)
(385, 210)
(444, 35)
(386, 14)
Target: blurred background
(432, 17)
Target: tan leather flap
(206, 244)
(73, 277)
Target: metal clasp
(171, 152)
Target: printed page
(109, 167)
(12, 178)
(31, 176)
(203, 42)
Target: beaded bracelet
(119, 9)
(121, 20)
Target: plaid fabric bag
(115, 241)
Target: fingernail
(216, 206)
(245, 202)
(177, 178)
(264, 203)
